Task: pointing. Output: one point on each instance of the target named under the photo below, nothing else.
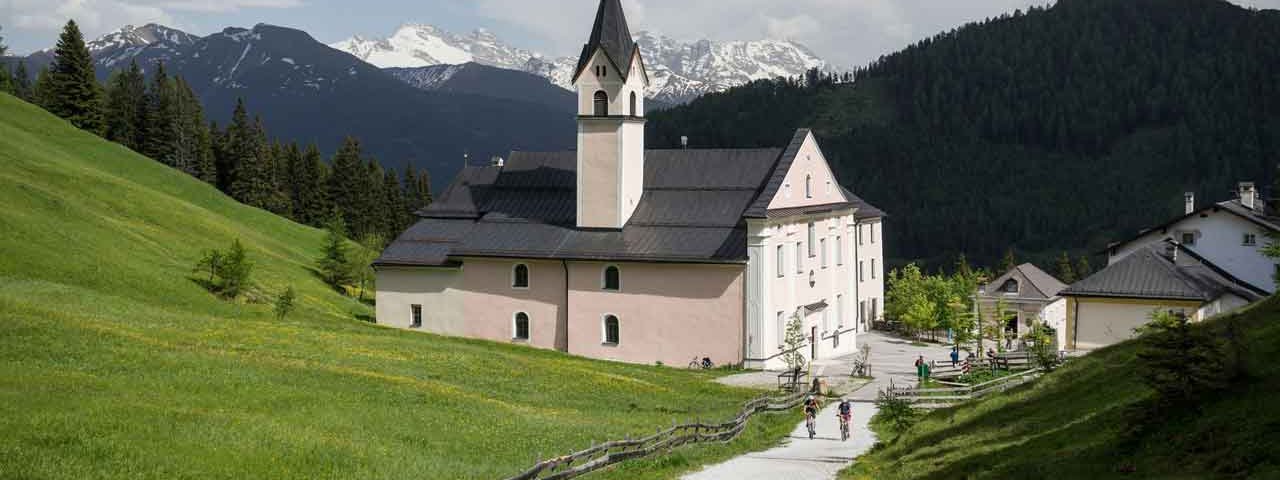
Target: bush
(333, 265)
(1039, 342)
(284, 303)
(896, 412)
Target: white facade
(1220, 237)
(806, 266)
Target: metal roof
(691, 211)
(1043, 285)
(1150, 273)
(1234, 207)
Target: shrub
(896, 412)
(284, 303)
(1039, 342)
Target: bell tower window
(601, 104)
(634, 113)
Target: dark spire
(611, 34)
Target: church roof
(612, 35)
(693, 210)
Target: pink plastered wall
(667, 312)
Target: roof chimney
(497, 161)
(684, 142)
(1190, 199)
(1249, 196)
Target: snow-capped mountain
(110, 50)
(416, 45)
(679, 71)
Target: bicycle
(704, 364)
(810, 422)
(844, 427)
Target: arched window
(612, 278)
(520, 276)
(611, 330)
(808, 186)
(634, 112)
(601, 104)
(1010, 286)
(521, 327)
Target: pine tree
(1083, 269)
(126, 95)
(395, 205)
(274, 198)
(1009, 262)
(22, 82)
(332, 264)
(249, 174)
(161, 125)
(417, 187)
(373, 201)
(1065, 272)
(345, 183)
(206, 168)
(42, 92)
(189, 125)
(74, 93)
(3, 49)
(312, 200)
(6, 81)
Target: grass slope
(115, 364)
(1077, 423)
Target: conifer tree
(345, 183)
(6, 81)
(3, 49)
(417, 189)
(42, 92)
(332, 264)
(160, 128)
(1009, 262)
(74, 93)
(126, 98)
(22, 82)
(1083, 269)
(1065, 272)
(395, 205)
(248, 181)
(312, 199)
(206, 169)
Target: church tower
(611, 82)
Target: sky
(846, 32)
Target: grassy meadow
(115, 363)
(1081, 422)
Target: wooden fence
(930, 398)
(609, 453)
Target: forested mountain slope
(116, 363)
(1059, 128)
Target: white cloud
(44, 18)
(793, 27)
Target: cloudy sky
(847, 32)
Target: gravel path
(823, 457)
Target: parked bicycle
(704, 363)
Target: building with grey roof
(1022, 296)
(621, 252)
(1204, 263)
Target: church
(619, 252)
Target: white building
(1205, 263)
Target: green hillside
(115, 363)
(1084, 421)
(1060, 128)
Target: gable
(808, 180)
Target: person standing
(955, 356)
(920, 368)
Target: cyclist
(811, 408)
(845, 413)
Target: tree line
(1057, 128)
(159, 116)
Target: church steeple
(611, 35)
(611, 82)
